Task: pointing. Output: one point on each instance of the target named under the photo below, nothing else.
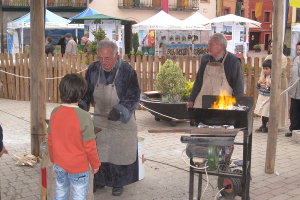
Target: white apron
(117, 142)
(214, 80)
(262, 107)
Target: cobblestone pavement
(166, 175)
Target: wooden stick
(208, 134)
(168, 130)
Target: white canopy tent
(52, 21)
(160, 21)
(236, 31)
(295, 39)
(175, 34)
(231, 18)
(197, 21)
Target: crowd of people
(68, 45)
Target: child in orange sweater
(71, 141)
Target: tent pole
(22, 38)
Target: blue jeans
(79, 183)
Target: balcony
(176, 5)
(53, 5)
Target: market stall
(236, 31)
(55, 26)
(163, 34)
(112, 26)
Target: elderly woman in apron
(262, 107)
(113, 89)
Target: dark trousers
(264, 121)
(295, 114)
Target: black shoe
(260, 129)
(264, 130)
(97, 186)
(117, 191)
(288, 134)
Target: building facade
(139, 10)
(261, 35)
(240, 7)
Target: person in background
(3, 150)
(263, 101)
(62, 43)
(219, 70)
(87, 43)
(49, 48)
(71, 47)
(294, 94)
(114, 90)
(283, 106)
(71, 141)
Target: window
(267, 17)
(242, 13)
(253, 15)
(226, 11)
(298, 15)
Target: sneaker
(288, 134)
(117, 191)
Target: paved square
(166, 175)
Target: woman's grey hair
(220, 38)
(107, 43)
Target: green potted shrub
(135, 42)
(172, 93)
(98, 35)
(257, 48)
(170, 82)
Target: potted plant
(257, 48)
(169, 101)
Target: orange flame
(224, 101)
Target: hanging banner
(295, 3)
(151, 38)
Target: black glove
(114, 115)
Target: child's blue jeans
(79, 183)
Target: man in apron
(113, 89)
(219, 70)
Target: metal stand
(245, 176)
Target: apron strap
(224, 57)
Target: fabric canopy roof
(99, 17)
(196, 21)
(234, 18)
(52, 21)
(160, 21)
(86, 13)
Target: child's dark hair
(72, 88)
(267, 63)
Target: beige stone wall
(111, 8)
